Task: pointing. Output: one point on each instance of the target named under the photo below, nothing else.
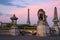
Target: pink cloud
(5, 19)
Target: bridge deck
(7, 37)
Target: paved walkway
(7, 37)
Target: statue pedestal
(14, 31)
(55, 30)
(42, 29)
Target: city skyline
(20, 9)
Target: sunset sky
(19, 8)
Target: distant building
(3, 25)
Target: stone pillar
(0, 25)
(55, 26)
(14, 29)
(42, 26)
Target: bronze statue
(41, 15)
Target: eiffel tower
(28, 17)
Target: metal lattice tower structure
(28, 17)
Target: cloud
(37, 1)
(5, 2)
(23, 3)
(3, 14)
(10, 3)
